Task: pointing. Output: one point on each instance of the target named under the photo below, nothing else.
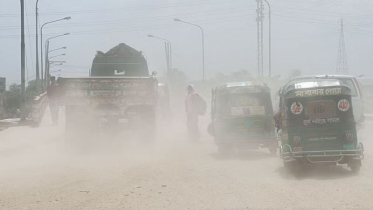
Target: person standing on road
(191, 107)
(54, 100)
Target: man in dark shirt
(54, 100)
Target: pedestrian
(191, 107)
(54, 100)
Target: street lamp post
(270, 37)
(41, 39)
(23, 61)
(156, 37)
(203, 45)
(47, 54)
(37, 46)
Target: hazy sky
(305, 34)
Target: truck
(118, 95)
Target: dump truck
(119, 94)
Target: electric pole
(342, 58)
(23, 85)
(37, 47)
(259, 21)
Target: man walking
(54, 100)
(191, 107)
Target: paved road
(39, 171)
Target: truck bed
(121, 91)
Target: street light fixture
(41, 39)
(61, 48)
(54, 65)
(53, 37)
(56, 56)
(203, 45)
(47, 49)
(156, 37)
(57, 61)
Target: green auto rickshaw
(317, 125)
(242, 117)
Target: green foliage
(12, 102)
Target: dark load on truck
(121, 60)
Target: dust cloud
(28, 152)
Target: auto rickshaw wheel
(293, 167)
(354, 165)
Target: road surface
(39, 171)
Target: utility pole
(270, 39)
(342, 57)
(37, 47)
(259, 21)
(169, 61)
(47, 65)
(23, 57)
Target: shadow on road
(242, 155)
(318, 172)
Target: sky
(305, 34)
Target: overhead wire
(153, 27)
(135, 8)
(144, 19)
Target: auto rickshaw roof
(332, 87)
(248, 86)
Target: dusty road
(37, 171)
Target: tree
(12, 100)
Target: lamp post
(47, 54)
(41, 39)
(170, 51)
(37, 47)
(270, 41)
(203, 45)
(23, 61)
